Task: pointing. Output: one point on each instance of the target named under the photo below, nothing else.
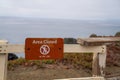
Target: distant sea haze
(15, 30)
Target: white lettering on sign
(50, 42)
(37, 42)
(44, 49)
(44, 56)
(45, 42)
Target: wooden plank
(12, 48)
(99, 63)
(3, 63)
(84, 78)
(76, 48)
(97, 40)
(68, 48)
(95, 65)
(102, 63)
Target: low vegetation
(76, 60)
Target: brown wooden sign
(43, 48)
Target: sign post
(43, 48)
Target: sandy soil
(50, 72)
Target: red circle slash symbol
(44, 49)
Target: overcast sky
(64, 9)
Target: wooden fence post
(3, 62)
(102, 61)
(99, 62)
(95, 65)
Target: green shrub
(117, 34)
(83, 59)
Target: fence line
(99, 56)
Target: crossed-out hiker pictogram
(44, 49)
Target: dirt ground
(50, 72)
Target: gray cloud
(69, 9)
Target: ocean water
(16, 30)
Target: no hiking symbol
(44, 49)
